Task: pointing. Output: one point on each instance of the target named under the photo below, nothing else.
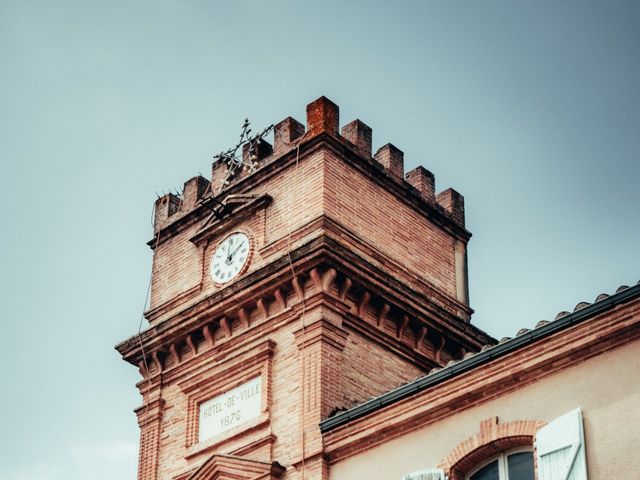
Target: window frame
(503, 466)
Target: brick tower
(302, 281)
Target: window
(514, 465)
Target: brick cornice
(322, 250)
(379, 337)
(486, 382)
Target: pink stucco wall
(606, 387)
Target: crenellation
(194, 189)
(286, 133)
(392, 159)
(424, 181)
(252, 153)
(359, 134)
(165, 206)
(323, 116)
(453, 203)
(218, 173)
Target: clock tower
(305, 277)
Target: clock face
(230, 258)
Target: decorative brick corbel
(208, 335)
(362, 304)
(262, 308)
(401, 326)
(328, 278)
(175, 353)
(225, 324)
(382, 315)
(439, 348)
(316, 278)
(192, 345)
(420, 336)
(344, 288)
(243, 317)
(295, 283)
(280, 299)
(142, 368)
(159, 363)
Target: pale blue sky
(529, 109)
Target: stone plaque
(230, 409)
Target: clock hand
(232, 254)
(235, 251)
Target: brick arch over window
(492, 439)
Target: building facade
(309, 319)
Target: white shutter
(428, 474)
(560, 449)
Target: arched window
(511, 465)
(492, 448)
(504, 452)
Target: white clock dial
(230, 258)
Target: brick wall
(179, 265)
(381, 219)
(369, 364)
(316, 360)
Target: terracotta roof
(582, 312)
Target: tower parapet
(322, 118)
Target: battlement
(323, 118)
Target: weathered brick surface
(329, 345)
(371, 364)
(382, 220)
(179, 265)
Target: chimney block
(424, 181)
(322, 116)
(193, 191)
(392, 159)
(285, 133)
(165, 206)
(359, 134)
(453, 203)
